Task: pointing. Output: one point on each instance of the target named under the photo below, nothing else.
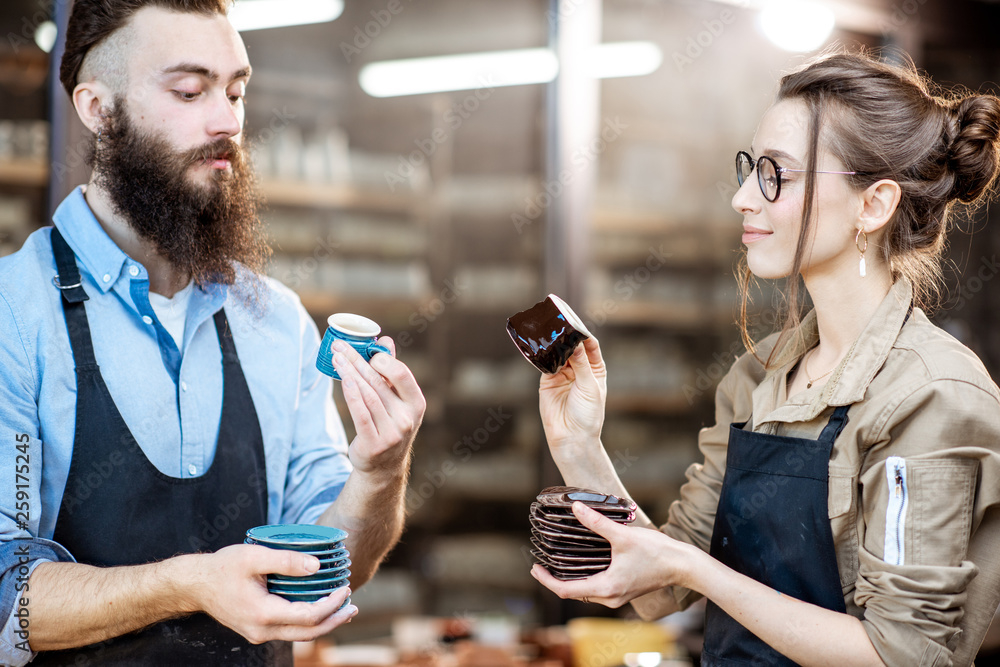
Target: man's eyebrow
(201, 70)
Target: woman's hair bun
(974, 157)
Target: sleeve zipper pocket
(895, 512)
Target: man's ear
(879, 203)
(92, 100)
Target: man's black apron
(773, 525)
(130, 513)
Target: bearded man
(158, 394)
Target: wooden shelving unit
(21, 172)
(24, 180)
(677, 316)
(656, 408)
(341, 196)
(321, 304)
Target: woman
(848, 508)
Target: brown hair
(886, 121)
(91, 21)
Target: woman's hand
(571, 401)
(642, 560)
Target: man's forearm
(371, 509)
(76, 605)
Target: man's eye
(187, 96)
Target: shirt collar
(101, 257)
(850, 379)
(97, 253)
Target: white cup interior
(354, 325)
(571, 316)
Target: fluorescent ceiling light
(392, 78)
(259, 14)
(45, 35)
(798, 25)
(416, 76)
(618, 59)
(863, 17)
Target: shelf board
(24, 172)
(506, 398)
(696, 260)
(634, 221)
(323, 304)
(491, 304)
(648, 402)
(339, 196)
(680, 316)
(658, 222)
(343, 250)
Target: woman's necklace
(805, 369)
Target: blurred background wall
(440, 214)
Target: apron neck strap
(68, 281)
(836, 424)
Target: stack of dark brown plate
(563, 545)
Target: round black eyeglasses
(769, 173)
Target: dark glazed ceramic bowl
(547, 333)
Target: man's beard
(204, 230)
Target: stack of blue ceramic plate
(327, 544)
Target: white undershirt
(172, 313)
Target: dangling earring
(858, 239)
(100, 134)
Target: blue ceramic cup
(359, 332)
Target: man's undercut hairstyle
(93, 22)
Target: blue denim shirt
(170, 398)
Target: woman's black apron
(773, 525)
(118, 509)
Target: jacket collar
(849, 380)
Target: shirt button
(193, 469)
(107, 277)
(184, 386)
(133, 271)
(147, 319)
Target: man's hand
(386, 405)
(75, 605)
(231, 587)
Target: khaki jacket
(922, 575)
